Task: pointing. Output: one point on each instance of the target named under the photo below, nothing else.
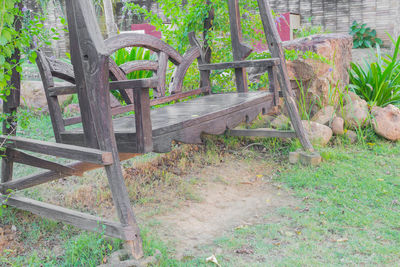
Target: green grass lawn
(349, 215)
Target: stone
(386, 122)
(356, 114)
(33, 95)
(318, 134)
(294, 157)
(72, 109)
(317, 76)
(281, 122)
(310, 158)
(351, 97)
(337, 126)
(352, 136)
(324, 115)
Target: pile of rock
(345, 120)
(323, 77)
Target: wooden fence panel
(338, 15)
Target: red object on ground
(147, 29)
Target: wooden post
(90, 60)
(206, 50)
(10, 107)
(275, 47)
(240, 50)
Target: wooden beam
(273, 83)
(62, 90)
(59, 150)
(45, 177)
(12, 101)
(144, 132)
(262, 132)
(240, 64)
(239, 49)
(75, 218)
(275, 47)
(114, 85)
(23, 158)
(153, 102)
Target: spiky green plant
(136, 53)
(379, 82)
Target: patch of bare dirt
(236, 193)
(9, 246)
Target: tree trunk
(109, 15)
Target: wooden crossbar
(59, 150)
(240, 64)
(45, 177)
(153, 102)
(23, 158)
(75, 218)
(114, 85)
(262, 132)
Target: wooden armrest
(134, 84)
(240, 64)
(59, 150)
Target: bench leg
(275, 47)
(123, 206)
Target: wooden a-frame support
(91, 72)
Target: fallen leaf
(213, 259)
(380, 180)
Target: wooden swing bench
(103, 141)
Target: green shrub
(363, 36)
(306, 31)
(379, 82)
(136, 53)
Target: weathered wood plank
(261, 132)
(61, 69)
(23, 158)
(240, 50)
(75, 218)
(116, 74)
(59, 150)
(92, 58)
(179, 74)
(62, 90)
(144, 136)
(135, 84)
(162, 73)
(142, 40)
(136, 65)
(240, 64)
(45, 177)
(153, 102)
(12, 101)
(273, 83)
(6, 167)
(114, 85)
(275, 47)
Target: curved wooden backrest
(86, 30)
(165, 53)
